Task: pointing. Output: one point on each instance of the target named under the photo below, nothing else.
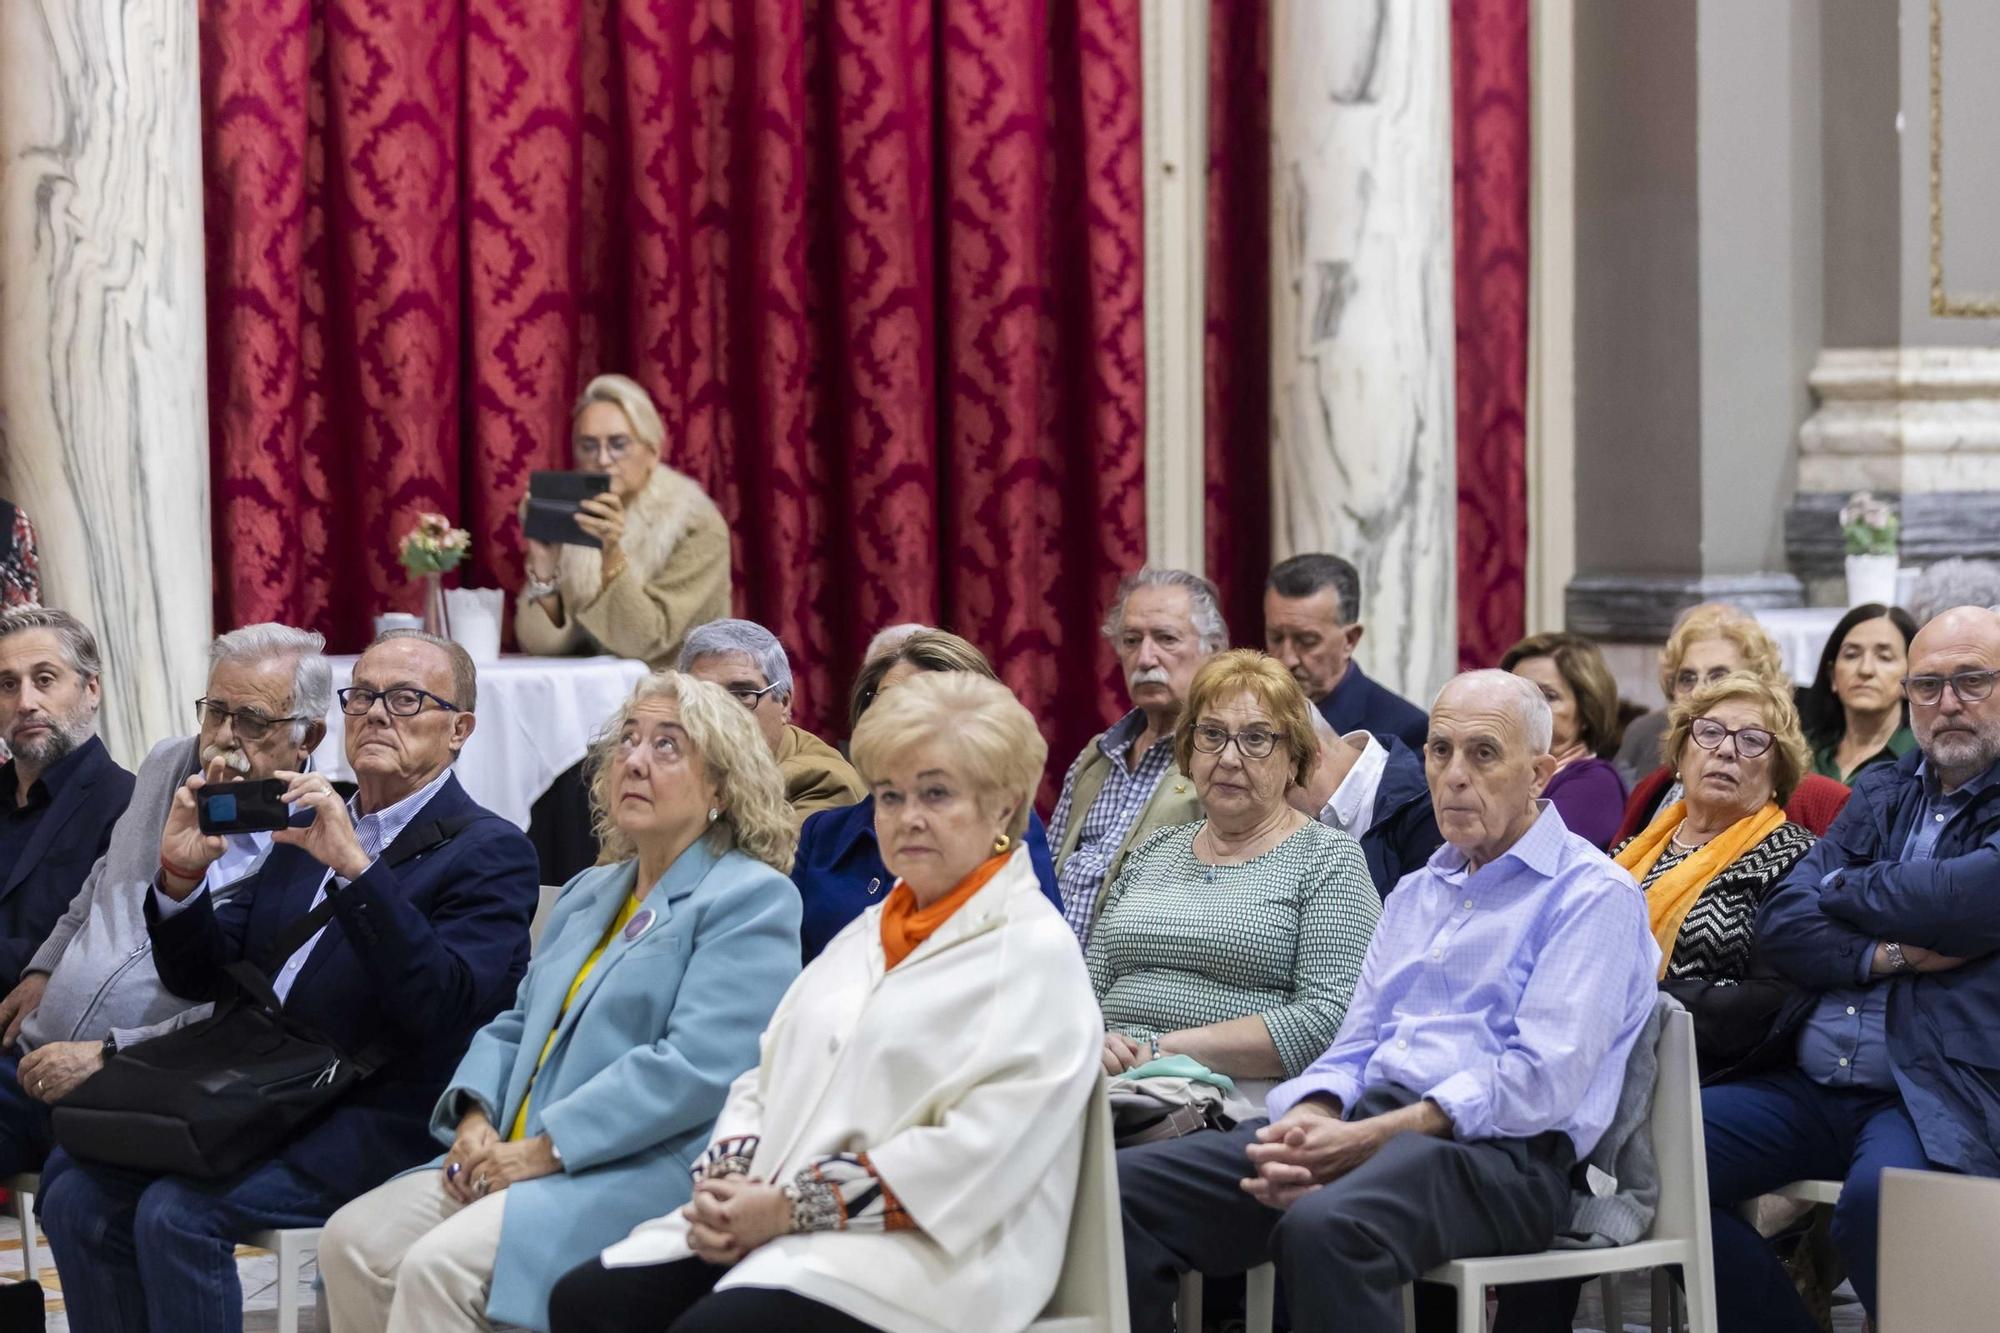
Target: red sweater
(1814, 805)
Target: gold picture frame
(1943, 305)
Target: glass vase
(436, 619)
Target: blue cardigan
(839, 870)
(640, 1064)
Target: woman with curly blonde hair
(577, 1112)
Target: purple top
(1590, 797)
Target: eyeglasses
(1686, 682)
(749, 695)
(1750, 741)
(1969, 686)
(608, 450)
(403, 701)
(247, 723)
(1252, 744)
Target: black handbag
(209, 1099)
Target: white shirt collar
(1351, 808)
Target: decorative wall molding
(1944, 305)
(1641, 608)
(1908, 419)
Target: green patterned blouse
(1182, 944)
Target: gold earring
(1001, 844)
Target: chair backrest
(1092, 1283)
(550, 892)
(1935, 1269)
(1677, 1143)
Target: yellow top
(519, 1129)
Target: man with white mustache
(1164, 624)
(91, 986)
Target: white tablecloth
(536, 717)
(1801, 634)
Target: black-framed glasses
(1969, 686)
(402, 701)
(1252, 743)
(1750, 741)
(248, 723)
(749, 695)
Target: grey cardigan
(99, 958)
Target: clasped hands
(730, 1216)
(186, 852)
(1309, 1146)
(481, 1162)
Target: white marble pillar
(1363, 433)
(103, 364)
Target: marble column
(103, 366)
(1363, 432)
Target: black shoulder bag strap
(255, 980)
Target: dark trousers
(1776, 1128)
(1345, 1250)
(680, 1297)
(157, 1254)
(25, 1138)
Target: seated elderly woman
(840, 870)
(1710, 641)
(1236, 939)
(578, 1112)
(906, 1153)
(664, 564)
(1706, 863)
(1854, 714)
(1586, 790)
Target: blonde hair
(994, 737)
(630, 397)
(1720, 620)
(733, 753)
(1790, 759)
(1275, 692)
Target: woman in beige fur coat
(664, 567)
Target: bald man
(1893, 921)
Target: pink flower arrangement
(434, 546)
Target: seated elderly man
(1890, 919)
(91, 988)
(747, 660)
(1312, 624)
(426, 899)
(1125, 785)
(1376, 794)
(62, 791)
(1481, 1057)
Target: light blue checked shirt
(1510, 996)
(1118, 806)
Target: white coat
(963, 1074)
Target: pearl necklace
(1674, 841)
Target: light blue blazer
(641, 1063)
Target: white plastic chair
(1679, 1234)
(1090, 1291)
(1936, 1271)
(292, 1248)
(24, 1188)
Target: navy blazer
(419, 956)
(63, 845)
(1405, 831)
(1359, 704)
(1850, 892)
(839, 870)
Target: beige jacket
(676, 576)
(1173, 802)
(816, 777)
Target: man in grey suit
(91, 987)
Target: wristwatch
(1897, 963)
(110, 1047)
(537, 589)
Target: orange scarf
(906, 925)
(1672, 896)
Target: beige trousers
(408, 1258)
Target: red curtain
(1490, 165)
(878, 261)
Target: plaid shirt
(1110, 817)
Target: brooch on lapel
(639, 924)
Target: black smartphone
(256, 806)
(553, 501)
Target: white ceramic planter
(1871, 578)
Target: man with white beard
(91, 986)
(1163, 624)
(61, 792)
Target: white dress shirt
(1351, 808)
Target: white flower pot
(1871, 578)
